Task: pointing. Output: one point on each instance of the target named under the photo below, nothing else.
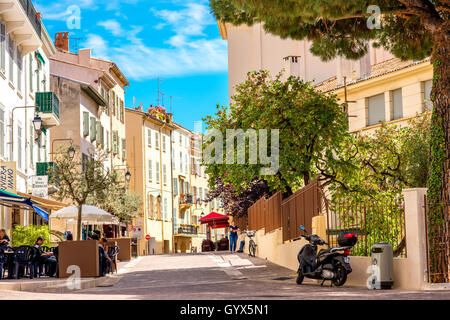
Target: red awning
(216, 220)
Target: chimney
(62, 41)
(84, 57)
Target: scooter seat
(324, 251)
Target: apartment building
(149, 157)
(101, 117)
(250, 48)
(394, 92)
(28, 110)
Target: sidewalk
(55, 285)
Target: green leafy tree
(79, 179)
(312, 128)
(27, 235)
(410, 29)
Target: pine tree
(410, 29)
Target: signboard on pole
(8, 176)
(40, 186)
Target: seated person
(104, 259)
(69, 237)
(46, 258)
(4, 239)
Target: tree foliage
(79, 180)
(312, 128)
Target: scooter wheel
(300, 277)
(341, 276)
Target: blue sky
(176, 40)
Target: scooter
(330, 264)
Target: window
(427, 87)
(397, 104)
(157, 140)
(181, 141)
(200, 194)
(11, 156)
(151, 209)
(124, 149)
(30, 65)
(11, 58)
(2, 47)
(107, 141)
(181, 161)
(31, 146)
(84, 161)
(186, 164)
(38, 76)
(19, 69)
(150, 170)
(2, 131)
(164, 143)
(19, 147)
(157, 172)
(149, 137)
(164, 174)
(165, 209)
(175, 186)
(376, 111)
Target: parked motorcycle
(330, 264)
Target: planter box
(124, 248)
(83, 254)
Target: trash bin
(382, 276)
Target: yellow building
(149, 162)
(393, 92)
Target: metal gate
(437, 224)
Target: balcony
(185, 202)
(47, 107)
(32, 15)
(187, 230)
(45, 169)
(23, 21)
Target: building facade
(149, 161)
(25, 49)
(394, 92)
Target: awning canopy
(216, 220)
(13, 200)
(89, 214)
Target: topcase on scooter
(347, 239)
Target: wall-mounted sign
(8, 176)
(40, 186)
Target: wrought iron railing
(372, 220)
(438, 242)
(47, 102)
(32, 15)
(187, 229)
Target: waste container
(382, 276)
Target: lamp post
(71, 149)
(37, 123)
(127, 174)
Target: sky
(177, 41)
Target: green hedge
(26, 236)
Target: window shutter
(150, 170)
(85, 123)
(98, 131)
(175, 187)
(124, 149)
(149, 137)
(157, 171)
(115, 142)
(376, 110)
(156, 140)
(93, 128)
(102, 136)
(2, 46)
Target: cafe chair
(25, 257)
(113, 251)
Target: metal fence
(299, 209)
(437, 224)
(372, 220)
(265, 213)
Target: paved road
(219, 276)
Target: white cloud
(113, 26)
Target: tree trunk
(80, 207)
(440, 97)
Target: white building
(25, 48)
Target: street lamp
(71, 152)
(37, 123)
(128, 176)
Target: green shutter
(93, 128)
(99, 132)
(102, 136)
(85, 123)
